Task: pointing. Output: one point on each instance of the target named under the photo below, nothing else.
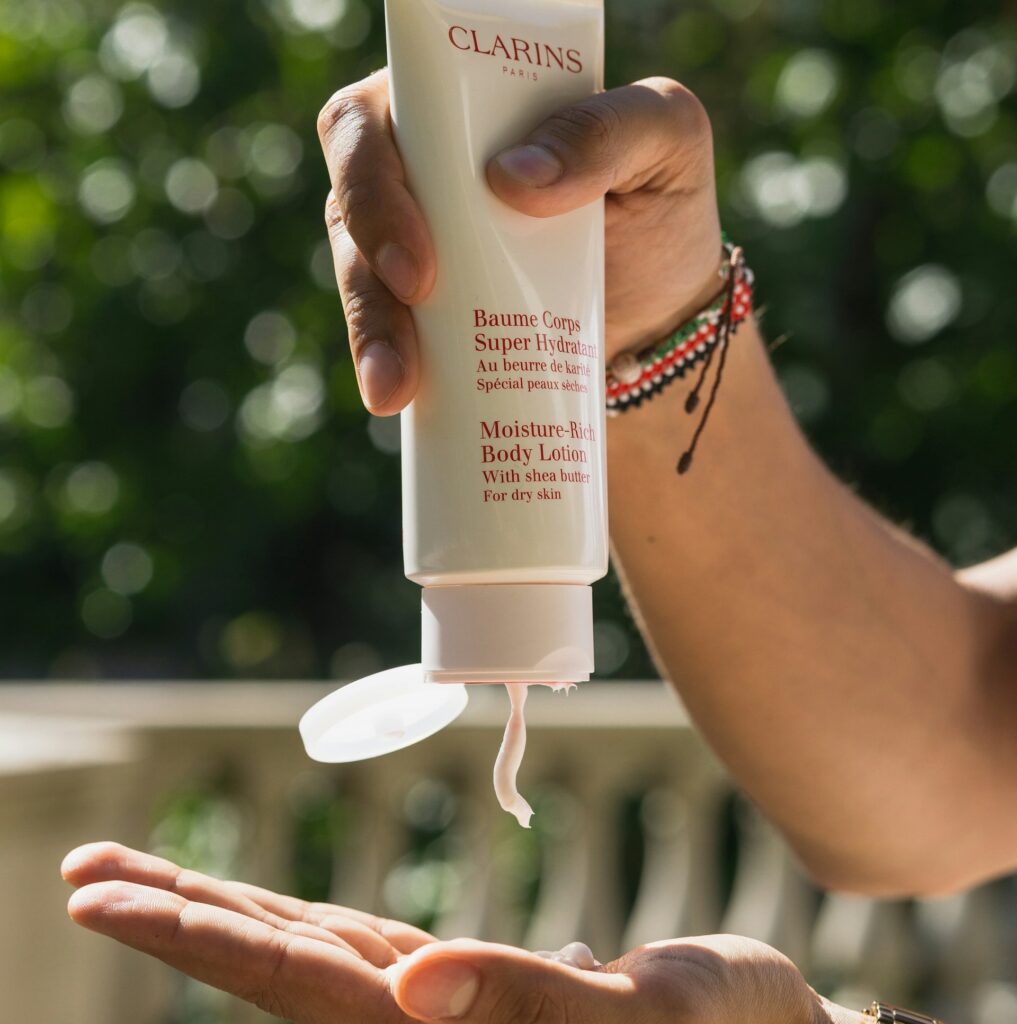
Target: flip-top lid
(379, 715)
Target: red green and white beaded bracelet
(637, 377)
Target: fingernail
(531, 165)
(445, 990)
(381, 372)
(398, 266)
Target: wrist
(708, 292)
(637, 376)
(707, 284)
(828, 1012)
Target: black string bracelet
(634, 378)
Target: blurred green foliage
(188, 483)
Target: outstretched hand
(314, 963)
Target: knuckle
(333, 215)
(270, 1002)
(267, 993)
(355, 197)
(344, 111)
(349, 136)
(529, 1006)
(697, 117)
(686, 107)
(278, 960)
(586, 125)
(363, 306)
(177, 924)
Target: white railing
(636, 841)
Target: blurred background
(190, 488)
(188, 483)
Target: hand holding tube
(647, 147)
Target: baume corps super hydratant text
(503, 447)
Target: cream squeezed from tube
(504, 462)
(575, 954)
(510, 757)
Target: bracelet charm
(636, 377)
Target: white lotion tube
(505, 503)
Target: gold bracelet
(882, 1013)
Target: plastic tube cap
(379, 715)
(508, 633)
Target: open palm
(315, 963)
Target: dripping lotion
(504, 482)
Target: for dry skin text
(505, 460)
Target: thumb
(482, 983)
(655, 131)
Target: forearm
(836, 666)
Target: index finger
(404, 938)
(291, 976)
(111, 862)
(371, 193)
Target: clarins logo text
(519, 51)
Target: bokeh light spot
(286, 409)
(250, 640)
(191, 186)
(270, 337)
(106, 191)
(93, 104)
(808, 84)
(174, 79)
(611, 647)
(784, 191)
(275, 152)
(923, 303)
(92, 488)
(137, 39)
(127, 568)
(47, 402)
(316, 15)
(1001, 190)
(385, 434)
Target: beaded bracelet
(637, 377)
